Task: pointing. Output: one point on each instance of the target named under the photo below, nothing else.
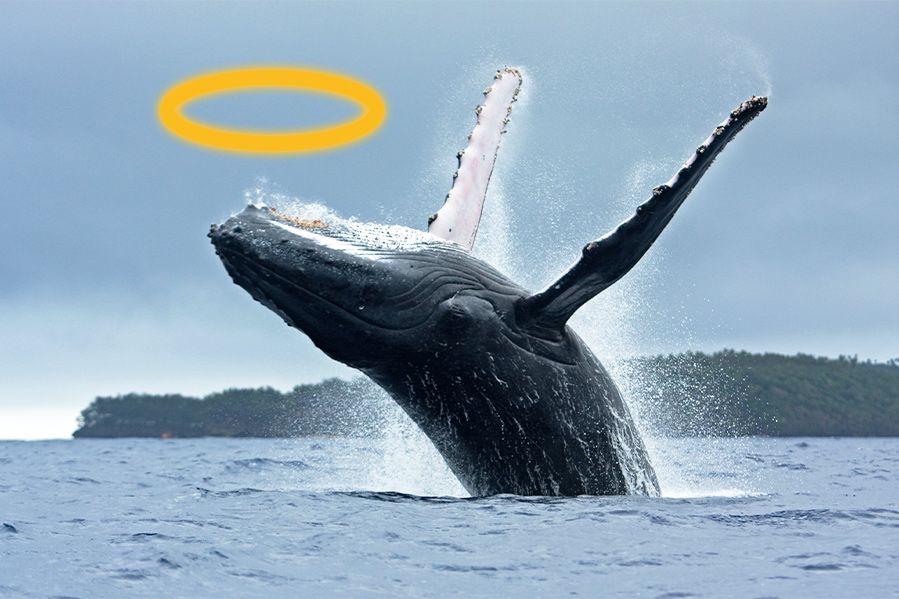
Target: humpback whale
(508, 393)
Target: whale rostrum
(510, 396)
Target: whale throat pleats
(460, 215)
(609, 258)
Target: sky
(108, 284)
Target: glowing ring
(172, 103)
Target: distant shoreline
(694, 394)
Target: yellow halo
(172, 103)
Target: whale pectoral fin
(460, 215)
(609, 258)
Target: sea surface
(323, 518)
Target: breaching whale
(507, 392)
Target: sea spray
(409, 462)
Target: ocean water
(320, 518)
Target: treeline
(738, 392)
(725, 393)
(332, 407)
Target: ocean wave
(265, 463)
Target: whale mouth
(246, 272)
(274, 256)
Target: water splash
(371, 235)
(494, 241)
(266, 193)
(407, 461)
(747, 64)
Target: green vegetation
(724, 393)
(332, 407)
(769, 394)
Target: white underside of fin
(460, 215)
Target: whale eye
(457, 311)
(465, 310)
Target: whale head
(367, 295)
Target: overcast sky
(108, 283)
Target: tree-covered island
(725, 393)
